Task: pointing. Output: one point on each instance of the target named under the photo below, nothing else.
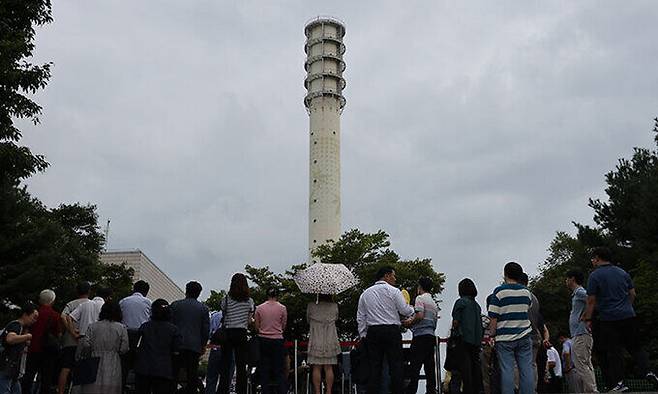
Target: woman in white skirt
(323, 345)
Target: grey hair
(46, 297)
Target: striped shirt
(236, 313)
(509, 304)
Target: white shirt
(136, 310)
(381, 304)
(553, 356)
(87, 313)
(566, 348)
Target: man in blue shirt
(610, 289)
(581, 337)
(510, 324)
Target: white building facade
(161, 285)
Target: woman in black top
(159, 340)
(467, 325)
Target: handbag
(85, 371)
(219, 336)
(452, 351)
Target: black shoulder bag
(219, 336)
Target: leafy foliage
(51, 248)
(19, 77)
(627, 223)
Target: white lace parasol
(323, 278)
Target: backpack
(4, 359)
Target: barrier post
(437, 365)
(296, 366)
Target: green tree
(51, 248)
(363, 254)
(214, 299)
(627, 223)
(19, 77)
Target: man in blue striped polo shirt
(508, 310)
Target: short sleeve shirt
(469, 315)
(509, 304)
(553, 356)
(578, 303)
(236, 313)
(67, 338)
(11, 357)
(425, 303)
(566, 348)
(610, 285)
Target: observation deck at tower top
(333, 35)
(320, 19)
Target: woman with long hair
(467, 326)
(237, 309)
(323, 345)
(159, 340)
(107, 339)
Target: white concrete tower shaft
(324, 103)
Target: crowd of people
(98, 345)
(514, 352)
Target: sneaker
(620, 387)
(652, 378)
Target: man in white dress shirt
(136, 310)
(381, 307)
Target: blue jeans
(519, 352)
(9, 385)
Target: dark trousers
(270, 366)
(188, 361)
(469, 367)
(154, 385)
(44, 365)
(616, 335)
(554, 384)
(385, 341)
(422, 354)
(128, 359)
(235, 346)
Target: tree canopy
(627, 223)
(19, 77)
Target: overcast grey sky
(473, 130)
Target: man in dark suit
(193, 321)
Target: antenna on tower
(107, 233)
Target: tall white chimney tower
(324, 103)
